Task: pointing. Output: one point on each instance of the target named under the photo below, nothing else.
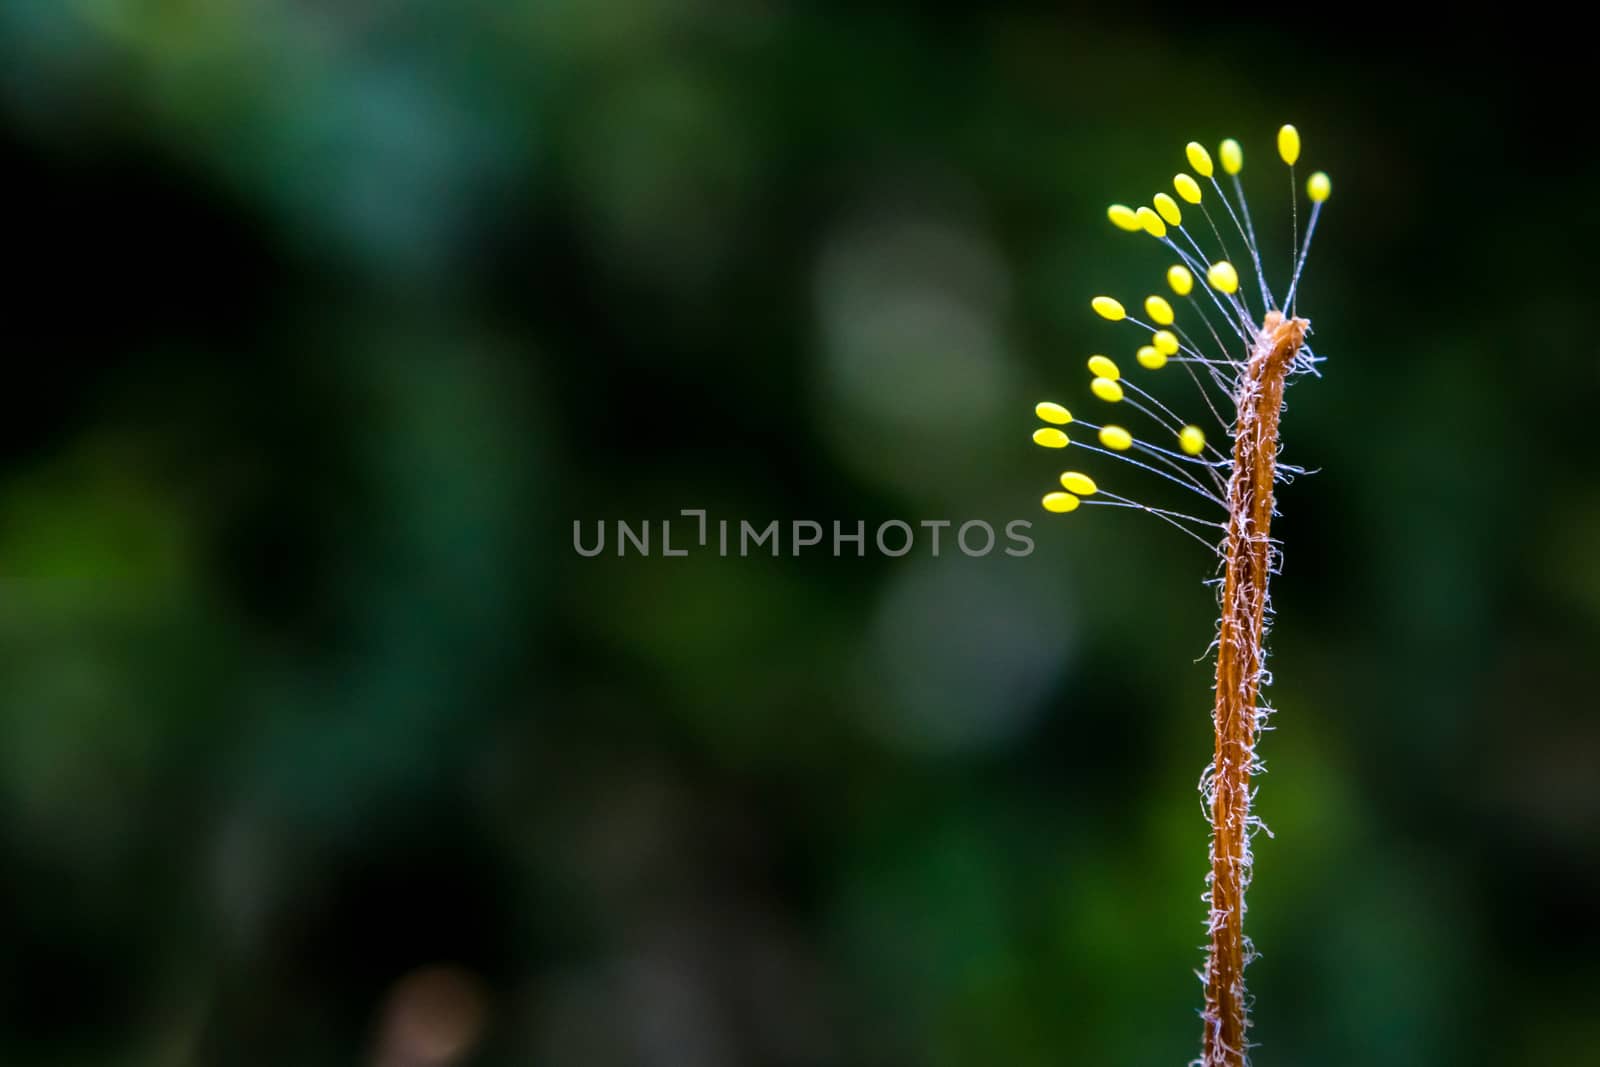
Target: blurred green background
(319, 744)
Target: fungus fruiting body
(1240, 346)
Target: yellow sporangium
(1167, 208)
(1122, 216)
(1077, 482)
(1223, 277)
(1152, 223)
(1289, 144)
(1232, 156)
(1106, 389)
(1150, 357)
(1115, 437)
(1052, 413)
(1108, 308)
(1101, 367)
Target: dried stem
(1239, 661)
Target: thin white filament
(1170, 518)
(1294, 235)
(1189, 483)
(1311, 228)
(1247, 232)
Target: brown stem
(1239, 658)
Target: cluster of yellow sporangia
(1168, 341)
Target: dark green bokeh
(318, 741)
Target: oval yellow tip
(1101, 367)
(1199, 158)
(1165, 342)
(1289, 144)
(1123, 218)
(1232, 156)
(1179, 278)
(1159, 310)
(1055, 413)
(1223, 277)
(1152, 223)
(1116, 438)
(1187, 187)
(1151, 358)
(1107, 390)
(1191, 439)
(1318, 186)
(1060, 503)
(1167, 208)
(1079, 483)
(1108, 308)
(1046, 437)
